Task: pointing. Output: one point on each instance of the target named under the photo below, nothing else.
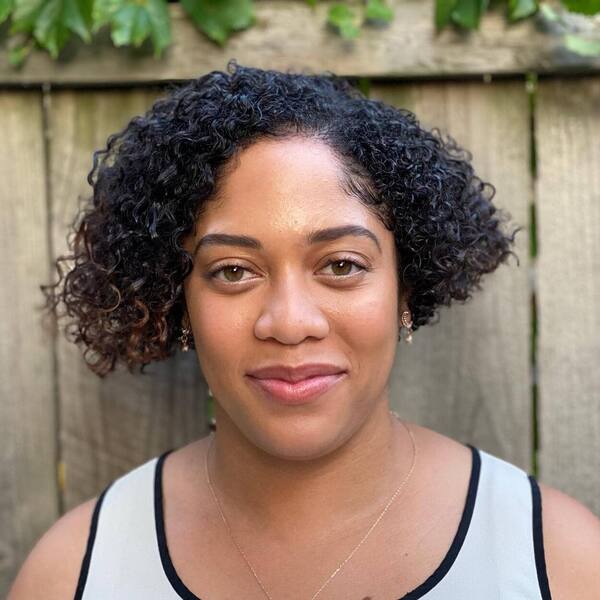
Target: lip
(298, 392)
(294, 374)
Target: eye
(343, 264)
(234, 269)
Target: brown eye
(346, 267)
(236, 272)
(342, 267)
(232, 273)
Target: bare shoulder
(571, 535)
(51, 570)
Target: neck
(348, 486)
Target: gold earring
(184, 338)
(407, 322)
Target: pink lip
(299, 392)
(296, 373)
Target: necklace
(353, 551)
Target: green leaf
(377, 10)
(25, 15)
(443, 10)
(103, 12)
(467, 13)
(548, 12)
(6, 7)
(18, 54)
(312, 3)
(52, 21)
(219, 18)
(78, 17)
(520, 9)
(343, 18)
(582, 46)
(133, 21)
(122, 24)
(586, 7)
(50, 30)
(158, 12)
(140, 28)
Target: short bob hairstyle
(124, 292)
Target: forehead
(284, 185)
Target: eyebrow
(316, 236)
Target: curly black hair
(124, 289)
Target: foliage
(218, 19)
(466, 14)
(50, 24)
(343, 18)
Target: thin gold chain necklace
(414, 460)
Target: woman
(289, 229)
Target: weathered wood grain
(568, 285)
(110, 425)
(294, 35)
(28, 483)
(468, 376)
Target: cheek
(369, 321)
(371, 318)
(217, 326)
(369, 327)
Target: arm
(51, 570)
(571, 535)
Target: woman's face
(287, 300)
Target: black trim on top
(165, 557)
(538, 538)
(459, 538)
(461, 532)
(87, 557)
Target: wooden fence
(516, 368)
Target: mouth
(296, 392)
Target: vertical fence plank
(29, 498)
(469, 376)
(110, 425)
(568, 209)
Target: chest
(396, 558)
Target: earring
(407, 322)
(185, 337)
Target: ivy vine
(567, 17)
(50, 24)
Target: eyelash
(363, 268)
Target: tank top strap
(122, 557)
(502, 554)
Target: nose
(291, 312)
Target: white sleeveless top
(497, 552)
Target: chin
(300, 440)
